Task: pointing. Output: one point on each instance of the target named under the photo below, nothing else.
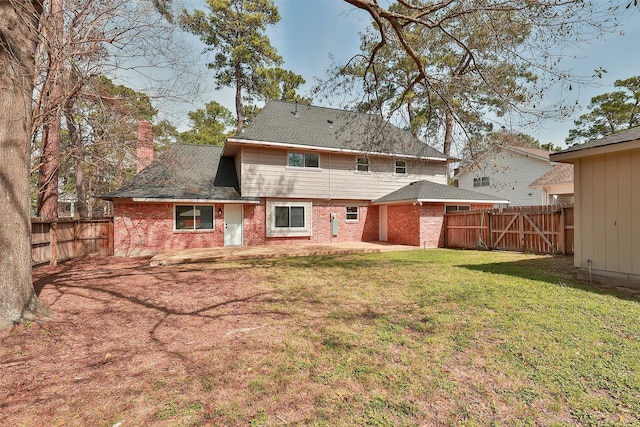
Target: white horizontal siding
(265, 174)
(510, 173)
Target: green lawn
(443, 337)
(418, 338)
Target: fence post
(53, 243)
(562, 241)
(112, 238)
(76, 229)
(521, 231)
(490, 229)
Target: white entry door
(233, 225)
(383, 223)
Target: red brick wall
(431, 221)
(146, 228)
(403, 224)
(145, 150)
(364, 230)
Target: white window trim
(395, 168)
(346, 214)
(480, 180)
(368, 171)
(273, 231)
(194, 230)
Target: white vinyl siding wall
(510, 175)
(265, 174)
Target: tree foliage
(464, 61)
(234, 31)
(209, 125)
(105, 118)
(460, 86)
(610, 113)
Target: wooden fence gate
(537, 229)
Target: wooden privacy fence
(537, 229)
(62, 239)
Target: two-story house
(298, 174)
(524, 176)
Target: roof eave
(421, 201)
(570, 156)
(328, 149)
(181, 200)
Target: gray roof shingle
(617, 138)
(184, 172)
(558, 174)
(431, 191)
(320, 127)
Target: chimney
(145, 151)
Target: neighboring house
(607, 207)
(298, 174)
(505, 172)
(556, 185)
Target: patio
(186, 256)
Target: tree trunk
(448, 136)
(78, 158)
(48, 177)
(239, 104)
(18, 41)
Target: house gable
(506, 173)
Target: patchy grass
(405, 338)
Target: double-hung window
(352, 213)
(400, 167)
(362, 164)
(194, 217)
(303, 160)
(481, 181)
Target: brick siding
(146, 228)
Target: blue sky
(311, 31)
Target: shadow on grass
(556, 270)
(343, 261)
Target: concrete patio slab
(185, 256)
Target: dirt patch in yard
(129, 343)
(408, 338)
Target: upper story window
(481, 182)
(306, 160)
(401, 167)
(190, 217)
(362, 164)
